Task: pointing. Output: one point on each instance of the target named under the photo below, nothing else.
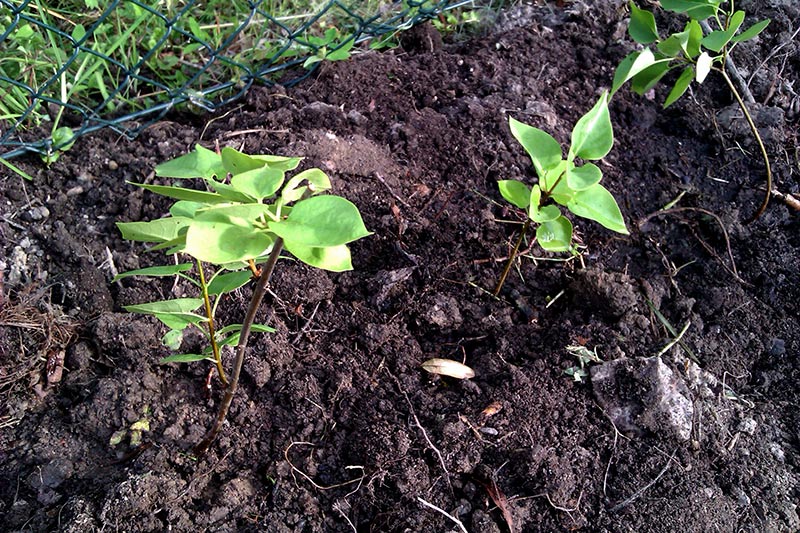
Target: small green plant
(329, 47)
(564, 182)
(585, 358)
(694, 53)
(248, 214)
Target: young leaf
(228, 282)
(704, 63)
(316, 178)
(236, 162)
(716, 40)
(201, 163)
(279, 162)
(159, 230)
(238, 327)
(227, 234)
(259, 183)
(675, 44)
(185, 208)
(580, 178)
(544, 150)
(593, 136)
(649, 77)
(751, 32)
(543, 214)
(681, 85)
(642, 27)
(156, 271)
(696, 9)
(331, 258)
(596, 203)
(556, 235)
(185, 358)
(175, 314)
(515, 192)
(321, 221)
(182, 193)
(172, 339)
(695, 38)
(632, 65)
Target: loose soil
(336, 427)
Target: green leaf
(332, 258)
(596, 203)
(680, 87)
(227, 234)
(716, 40)
(704, 64)
(279, 162)
(515, 192)
(675, 44)
(541, 214)
(172, 339)
(647, 79)
(230, 194)
(556, 235)
(223, 283)
(185, 208)
(258, 183)
(580, 178)
(593, 136)
(175, 314)
(236, 162)
(343, 52)
(632, 65)
(185, 358)
(201, 163)
(751, 32)
(557, 188)
(696, 9)
(182, 193)
(695, 38)
(642, 27)
(321, 221)
(233, 339)
(159, 230)
(544, 150)
(156, 271)
(316, 179)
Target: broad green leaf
(695, 38)
(751, 32)
(556, 235)
(185, 358)
(279, 162)
(156, 271)
(544, 150)
(259, 183)
(555, 184)
(321, 221)
(201, 163)
(675, 44)
(716, 40)
(332, 258)
(233, 339)
(223, 283)
(697, 9)
(343, 52)
(173, 246)
(596, 203)
(316, 179)
(185, 208)
(227, 234)
(544, 214)
(642, 27)
(515, 192)
(593, 136)
(172, 339)
(230, 194)
(159, 230)
(632, 65)
(680, 87)
(182, 193)
(649, 77)
(580, 178)
(236, 162)
(704, 63)
(175, 314)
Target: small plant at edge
(247, 216)
(564, 182)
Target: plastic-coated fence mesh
(124, 64)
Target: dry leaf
(448, 367)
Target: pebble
(38, 213)
(776, 451)
(112, 165)
(75, 191)
(747, 425)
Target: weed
(247, 216)
(564, 182)
(694, 53)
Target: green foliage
(248, 205)
(332, 46)
(688, 50)
(564, 181)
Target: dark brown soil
(336, 427)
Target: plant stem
(512, 257)
(760, 143)
(258, 295)
(212, 334)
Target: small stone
(742, 499)
(747, 425)
(778, 347)
(75, 191)
(112, 165)
(776, 451)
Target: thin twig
(308, 478)
(455, 520)
(512, 257)
(636, 495)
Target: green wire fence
(70, 67)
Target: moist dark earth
(336, 427)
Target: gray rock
(644, 394)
